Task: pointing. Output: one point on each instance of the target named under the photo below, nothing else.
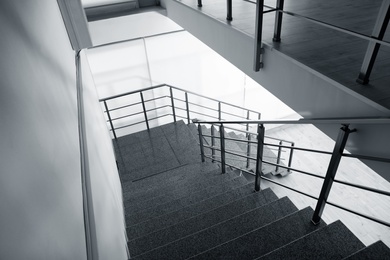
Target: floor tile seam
(247, 233)
(183, 196)
(207, 187)
(248, 211)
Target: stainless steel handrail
(336, 155)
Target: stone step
(222, 232)
(375, 251)
(176, 190)
(173, 205)
(200, 222)
(168, 177)
(264, 239)
(332, 242)
(183, 213)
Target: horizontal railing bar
(117, 108)
(120, 127)
(202, 106)
(218, 101)
(116, 118)
(198, 113)
(341, 121)
(287, 187)
(386, 193)
(132, 92)
(328, 25)
(360, 214)
(365, 157)
(149, 110)
(299, 148)
(137, 103)
(138, 38)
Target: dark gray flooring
(193, 211)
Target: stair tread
(173, 205)
(264, 239)
(168, 176)
(175, 190)
(377, 250)
(200, 222)
(222, 232)
(188, 211)
(334, 241)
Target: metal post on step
(278, 20)
(187, 108)
(248, 137)
(279, 155)
(229, 16)
(258, 52)
(212, 142)
(331, 172)
(144, 108)
(222, 141)
(291, 157)
(219, 111)
(201, 142)
(172, 104)
(109, 119)
(199, 3)
(259, 157)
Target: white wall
(41, 211)
(304, 90)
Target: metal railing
(336, 155)
(375, 40)
(139, 109)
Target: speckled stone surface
(332, 242)
(172, 205)
(265, 239)
(222, 232)
(375, 251)
(200, 222)
(175, 190)
(188, 211)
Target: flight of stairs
(179, 208)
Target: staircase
(179, 208)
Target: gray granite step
(200, 222)
(375, 251)
(264, 239)
(183, 213)
(163, 194)
(222, 232)
(168, 176)
(332, 242)
(220, 186)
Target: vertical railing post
(257, 62)
(109, 119)
(229, 16)
(290, 157)
(144, 108)
(222, 141)
(248, 137)
(212, 142)
(331, 172)
(278, 20)
(279, 155)
(259, 157)
(201, 142)
(199, 3)
(187, 108)
(172, 104)
(219, 111)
